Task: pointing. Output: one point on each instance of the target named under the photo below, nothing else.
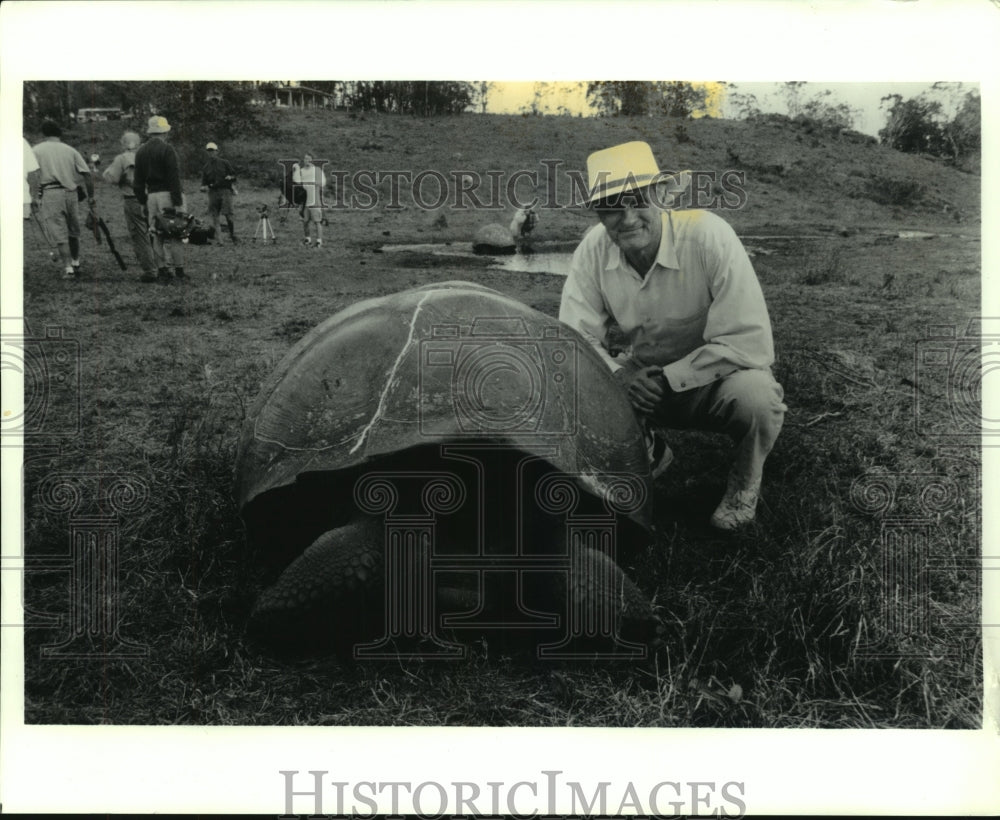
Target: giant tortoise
(444, 463)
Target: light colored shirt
(309, 178)
(60, 163)
(30, 164)
(699, 312)
(121, 172)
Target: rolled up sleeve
(737, 328)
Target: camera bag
(172, 224)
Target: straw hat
(211, 147)
(625, 167)
(157, 125)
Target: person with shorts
(121, 172)
(218, 177)
(311, 180)
(61, 169)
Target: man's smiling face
(632, 222)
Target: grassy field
(800, 622)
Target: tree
(964, 133)
(423, 98)
(618, 98)
(46, 100)
(912, 126)
(828, 114)
(482, 89)
(925, 123)
(220, 108)
(537, 106)
(793, 97)
(677, 99)
(629, 98)
(740, 105)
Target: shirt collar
(666, 254)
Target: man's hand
(203, 188)
(645, 388)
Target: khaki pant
(138, 230)
(168, 252)
(59, 214)
(747, 405)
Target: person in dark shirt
(217, 177)
(157, 187)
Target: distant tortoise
(493, 239)
(444, 460)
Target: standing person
(157, 187)
(61, 168)
(313, 181)
(682, 289)
(218, 178)
(121, 172)
(31, 176)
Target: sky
(865, 98)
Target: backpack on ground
(200, 233)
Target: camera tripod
(264, 229)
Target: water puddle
(554, 258)
(551, 258)
(554, 264)
(436, 248)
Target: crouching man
(682, 289)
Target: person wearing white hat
(157, 187)
(121, 172)
(681, 287)
(217, 177)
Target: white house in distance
(292, 94)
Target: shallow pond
(551, 258)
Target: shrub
(886, 190)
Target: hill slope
(795, 174)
